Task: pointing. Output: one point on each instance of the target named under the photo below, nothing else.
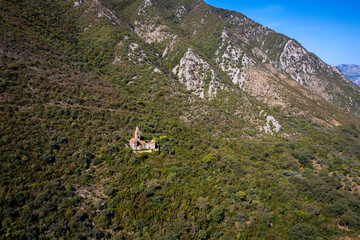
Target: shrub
(78, 236)
(311, 209)
(110, 191)
(241, 195)
(59, 229)
(47, 158)
(151, 187)
(202, 203)
(109, 213)
(161, 139)
(241, 218)
(104, 221)
(202, 234)
(86, 228)
(54, 146)
(303, 159)
(210, 158)
(96, 161)
(97, 234)
(288, 161)
(32, 232)
(61, 140)
(289, 173)
(302, 232)
(86, 155)
(218, 214)
(79, 217)
(350, 219)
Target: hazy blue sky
(330, 29)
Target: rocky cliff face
(197, 75)
(351, 71)
(232, 60)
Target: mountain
(351, 71)
(233, 45)
(259, 138)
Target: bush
(288, 161)
(47, 158)
(78, 236)
(97, 234)
(110, 191)
(218, 214)
(87, 156)
(241, 218)
(54, 146)
(350, 219)
(311, 209)
(336, 208)
(151, 187)
(104, 222)
(202, 234)
(78, 217)
(32, 232)
(241, 195)
(289, 173)
(61, 140)
(302, 232)
(96, 161)
(210, 158)
(109, 213)
(86, 228)
(303, 159)
(161, 140)
(59, 229)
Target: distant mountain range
(351, 71)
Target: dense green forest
(67, 113)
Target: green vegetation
(66, 114)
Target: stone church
(137, 144)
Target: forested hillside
(253, 144)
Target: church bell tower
(137, 133)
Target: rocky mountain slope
(259, 139)
(250, 55)
(351, 71)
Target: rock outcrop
(197, 75)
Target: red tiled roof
(133, 140)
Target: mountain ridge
(351, 71)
